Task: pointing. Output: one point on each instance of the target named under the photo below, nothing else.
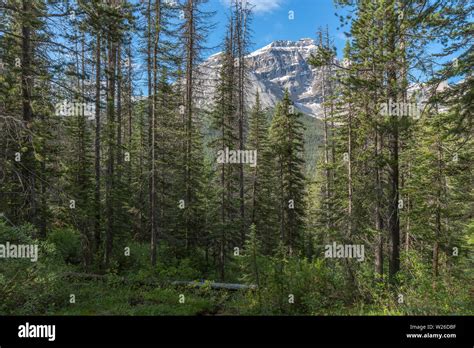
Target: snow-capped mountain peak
(272, 69)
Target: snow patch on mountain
(272, 69)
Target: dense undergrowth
(287, 286)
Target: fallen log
(216, 286)
(212, 285)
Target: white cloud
(341, 36)
(260, 6)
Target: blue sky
(271, 21)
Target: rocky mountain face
(272, 69)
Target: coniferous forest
(128, 187)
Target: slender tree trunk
(326, 143)
(331, 111)
(110, 182)
(349, 174)
(223, 215)
(240, 36)
(189, 78)
(394, 221)
(154, 90)
(83, 182)
(408, 206)
(222, 243)
(97, 195)
(438, 210)
(28, 168)
(393, 143)
(119, 115)
(379, 242)
(130, 130)
(439, 193)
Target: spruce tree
(286, 141)
(261, 179)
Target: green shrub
(289, 285)
(68, 244)
(17, 234)
(26, 287)
(416, 292)
(138, 259)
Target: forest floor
(59, 284)
(99, 298)
(114, 296)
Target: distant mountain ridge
(272, 69)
